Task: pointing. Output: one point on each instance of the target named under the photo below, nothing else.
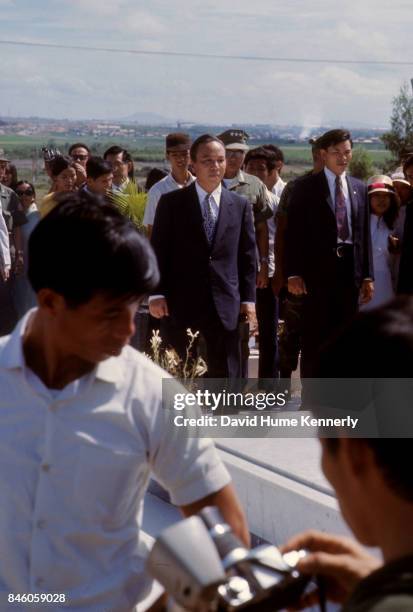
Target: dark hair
(131, 172)
(85, 247)
(264, 154)
(154, 176)
(77, 145)
(115, 150)
(60, 163)
(96, 167)
(391, 214)
(333, 137)
(407, 163)
(13, 171)
(203, 139)
(378, 345)
(177, 138)
(278, 154)
(26, 183)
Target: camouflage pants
(289, 341)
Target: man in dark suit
(203, 237)
(327, 247)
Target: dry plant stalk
(169, 360)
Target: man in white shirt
(82, 424)
(177, 153)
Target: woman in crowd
(23, 295)
(63, 174)
(383, 214)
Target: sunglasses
(27, 192)
(79, 157)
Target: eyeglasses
(79, 157)
(26, 192)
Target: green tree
(399, 140)
(361, 165)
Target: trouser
(267, 317)
(327, 308)
(222, 346)
(290, 339)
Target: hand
(5, 272)
(296, 285)
(262, 276)
(366, 291)
(340, 560)
(248, 310)
(159, 308)
(277, 283)
(80, 174)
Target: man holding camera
(371, 476)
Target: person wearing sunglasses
(24, 297)
(80, 153)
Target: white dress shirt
(215, 197)
(331, 179)
(74, 467)
(165, 185)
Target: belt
(343, 250)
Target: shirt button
(46, 467)
(41, 523)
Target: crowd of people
(319, 247)
(82, 424)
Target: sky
(77, 84)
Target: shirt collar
(189, 180)
(202, 194)
(11, 356)
(331, 177)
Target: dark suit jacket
(405, 281)
(192, 272)
(311, 235)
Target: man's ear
(358, 455)
(279, 166)
(50, 301)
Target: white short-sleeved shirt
(74, 467)
(165, 185)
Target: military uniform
(256, 193)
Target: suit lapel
(352, 192)
(224, 215)
(193, 210)
(326, 192)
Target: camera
(49, 153)
(204, 567)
